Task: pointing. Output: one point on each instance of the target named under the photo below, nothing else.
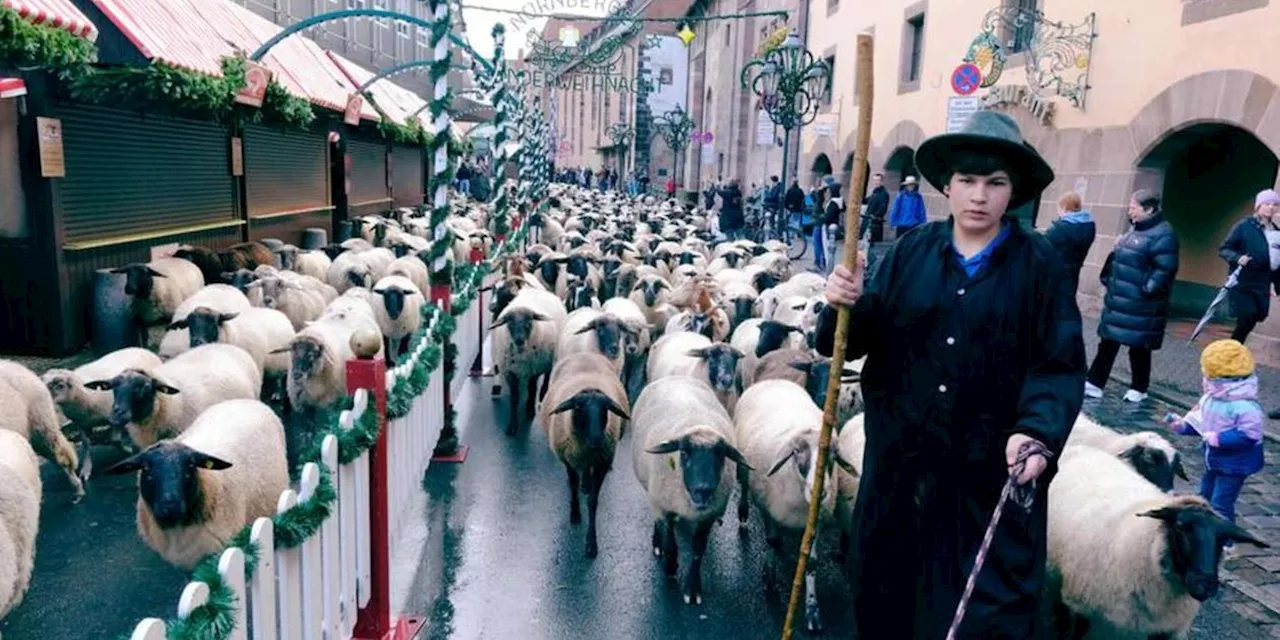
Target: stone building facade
(1181, 98)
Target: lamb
(30, 413)
(681, 438)
(1149, 453)
(523, 343)
(589, 330)
(637, 341)
(164, 401)
(756, 338)
(582, 393)
(20, 495)
(200, 489)
(690, 354)
(317, 377)
(777, 426)
(1124, 576)
(705, 318)
(398, 310)
(650, 295)
(156, 289)
(85, 408)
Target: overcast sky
(480, 22)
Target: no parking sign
(966, 79)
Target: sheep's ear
(177, 324)
(99, 385)
(666, 446)
(806, 367)
(851, 376)
(565, 406)
(1168, 514)
(731, 452)
(165, 389)
(206, 461)
(228, 275)
(381, 292)
(781, 461)
(590, 326)
(1232, 531)
(223, 317)
(844, 464)
(128, 465)
(615, 409)
(697, 353)
(281, 350)
(155, 274)
(120, 270)
(736, 353)
(500, 322)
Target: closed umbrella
(1217, 300)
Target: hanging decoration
(1057, 53)
(499, 99)
(685, 34)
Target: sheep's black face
(742, 309)
(686, 257)
(549, 270)
(380, 234)
(138, 281)
(1152, 464)
(611, 266)
(764, 280)
(653, 243)
(401, 249)
(241, 279)
(133, 396)
(651, 260)
(590, 419)
(651, 290)
(204, 325)
(520, 326)
(772, 335)
(502, 296)
(701, 468)
(700, 323)
(576, 241)
(722, 366)
(732, 259)
(358, 276)
(1195, 536)
(393, 299)
(288, 257)
(169, 482)
(306, 354)
(609, 336)
(578, 266)
(536, 220)
(578, 295)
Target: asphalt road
(503, 561)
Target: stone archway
(900, 164)
(907, 133)
(821, 167)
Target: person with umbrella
(1248, 250)
(1139, 277)
(974, 355)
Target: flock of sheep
(229, 345)
(628, 317)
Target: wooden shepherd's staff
(866, 87)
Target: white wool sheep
(156, 290)
(379, 260)
(398, 309)
(297, 302)
(523, 343)
(851, 443)
(20, 495)
(317, 375)
(747, 339)
(777, 427)
(1148, 452)
(164, 401)
(589, 330)
(85, 407)
(650, 295)
(1130, 560)
(684, 353)
(236, 449)
(222, 298)
(29, 412)
(356, 245)
(259, 331)
(585, 413)
(313, 263)
(805, 284)
(681, 438)
(349, 270)
(413, 268)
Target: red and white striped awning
(55, 13)
(171, 31)
(398, 102)
(12, 87)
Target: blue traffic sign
(966, 79)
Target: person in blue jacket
(908, 211)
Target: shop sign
(256, 79)
(352, 114)
(237, 156)
(960, 109)
(52, 163)
(1041, 109)
(766, 133)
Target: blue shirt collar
(1078, 217)
(974, 264)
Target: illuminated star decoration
(685, 33)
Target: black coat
(1251, 297)
(731, 216)
(1072, 240)
(794, 198)
(877, 203)
(954, 367)
(1139, 282)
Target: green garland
(25, 45)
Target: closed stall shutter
(368, 171)
(406, 176)
(284, 171)
(128, 174)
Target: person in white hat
(908, 210)
(1248, 248)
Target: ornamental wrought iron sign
(570, 60)
(1058, 54)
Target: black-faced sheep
(585, 413)
(197, 491)
(685, 353)
(156, 290)
(682, 437)
(87, 408)
(398, 310)
(1149, 453)
(523, 341)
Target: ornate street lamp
(790, 84)
(621, 134)
(676, 126)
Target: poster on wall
(708, 154)
(237, 156)
(960, 109)
(766, 131)
(52, 162)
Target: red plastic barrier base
(459, 457)
(403, 629)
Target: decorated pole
(866, 86)
(497, 84)
(441, 250)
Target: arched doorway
(1207, 174)
(821, 167)
(847, 173)
(901, 163)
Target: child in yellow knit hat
(1229, 420)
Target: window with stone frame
(1021, 30)
(912, 54)
(1196, 11)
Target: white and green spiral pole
(441, 250)
(496, 84)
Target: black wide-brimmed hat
(989, 132)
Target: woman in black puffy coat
(1139, 277)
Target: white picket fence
(314, 592)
